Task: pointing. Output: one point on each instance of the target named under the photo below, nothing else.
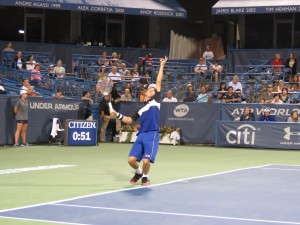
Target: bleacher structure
(177, 75)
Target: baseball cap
(152, 86)
(105, 93)
(23, 91)
(269, 85)
(266, 110)
(149, 54)
(51, 65)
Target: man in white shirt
(208, 54)
(114, 75)
(170, 97)
(235, 84)
(123, 70)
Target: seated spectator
(208, 54)
(135, 72)
(170, 97)
(128, 76)
(103, 61)
(123, 70)
(9, 47)
(59, 69)
(58, 94)
(269, 95)
(25, 83)
(279, 86)
(32, 93)
(217, 70)
(146, 62)
(189, 88)
(267, 116)
(19, 62)
(114, 75)
(36, 76)
(51, 71)
(221, 91)
(114, 59)
(30, 63)
(144, 81)
(277, 63)
(126, 97)
(230, 96)
(276, 99)
(235, 84)
(2, 89)
(104, 84)
(294, 84)
(190, 98)
(246, 116)
(203, 96)
(130, 87)
(262, 100)
(284, 97)
(294, 118)
(201, 67)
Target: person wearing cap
(104, 115)
(146, 146)
(269, 95)
(51, 71)
(208, 54)
(21, 115)
(267, 116)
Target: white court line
(35, 168)
(280, 169)
(180, 214)
(127, 189)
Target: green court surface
(104, 168)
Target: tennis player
(145, 147)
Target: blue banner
(258, 135)
(164, 8)
(280, 111)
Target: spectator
(280, 86)
(277, 63)
(104, 83)
(291, 63)
(246, 116)
(189, 88)
(262, 100)
(58, 94)
(104, 115)
(170, 97)
(144, 81)
(294, 117)
(276, 99)
(230, 96)
(30, 63)
(123, 70)
(2, 89)
(221, 91)
(267, 116)
(32, 93)
(204, 96)
(19, 62)
(208, 54)
(217, 70)
(114, 75)
(235, 84)
(190, 98)
(114, 59)
(25, 83)
(135, 71)
(294, 84)
(103, 61)
(21, 115)
(9, 47)
(284, 97)
(269, 95)
(126, 97)
(51, 71)
(36, 76)
(59, 69)
(201, 67)
(146, 62)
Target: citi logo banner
(244, 134)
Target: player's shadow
(139, 191)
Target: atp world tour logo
(288, 134)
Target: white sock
(139, 170)
(145, 175)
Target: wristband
(120, 116)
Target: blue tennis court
(251, 196)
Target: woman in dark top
(221, 91)
(247, 115)
(292, 63)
